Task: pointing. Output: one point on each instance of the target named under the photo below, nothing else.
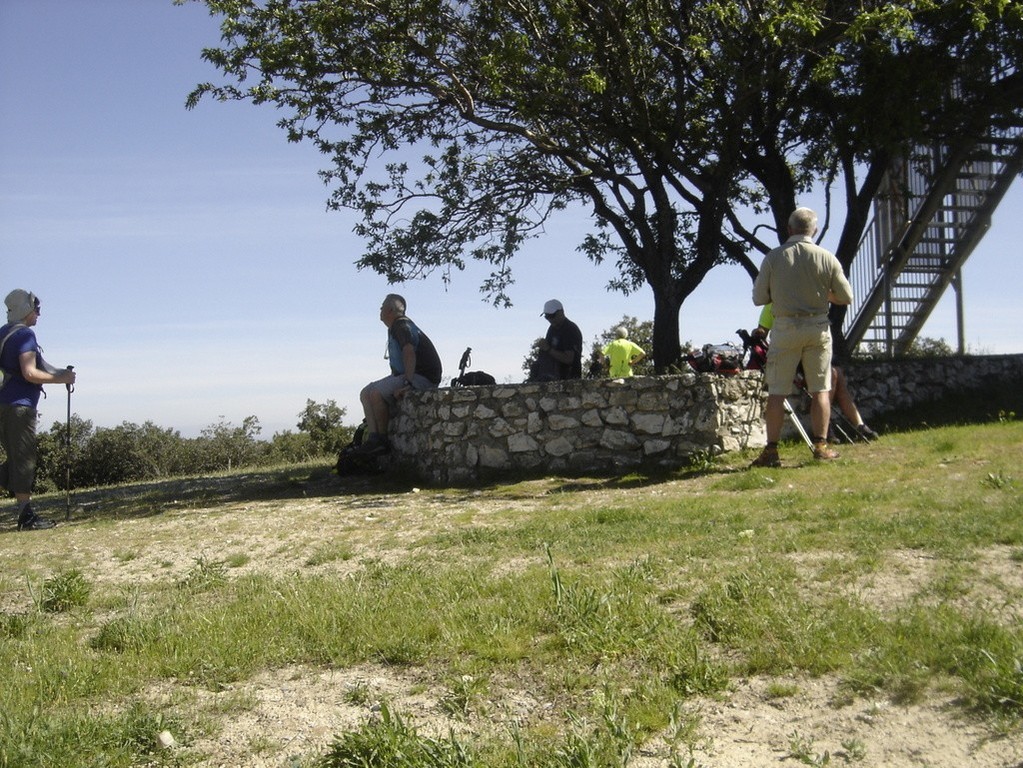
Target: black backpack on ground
(350, 461)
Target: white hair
(803, 221)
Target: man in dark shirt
(415, 364)
(561, 351)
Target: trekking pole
(67, 453)
(462, 365)
(837, 425)
(798, 424)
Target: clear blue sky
(189, 270)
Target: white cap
(552, 306)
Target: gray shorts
(18, 438)
(390, 385)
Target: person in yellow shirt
(622, 354)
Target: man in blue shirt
(415, 364)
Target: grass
(616, 602)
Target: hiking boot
(30, 521)
(867, 433)
(372, 448)
(822, 452)
(767, 458)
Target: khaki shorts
(794, 341)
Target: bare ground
(295, 712)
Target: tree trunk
(667, 348)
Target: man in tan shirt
(800, 279)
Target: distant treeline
(138, 452)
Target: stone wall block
(534, 423)
(559, 446)
(594, 398)
(514, 409)
(557, 421)
(618, 440)
(454, 428)
(654, 447)
(493, 457)
(623, 398)
(649, 423)
(483, 412)
(500, 428)
(616, 416)
(522, 443)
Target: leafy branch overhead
(460, 129)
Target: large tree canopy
(458, 129)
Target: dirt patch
(290, 714)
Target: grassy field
(554, 622)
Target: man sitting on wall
(415, 364)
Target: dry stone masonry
(610, 426)
(571, 427)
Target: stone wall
(574, 427)
(609, 426)
(889, 386)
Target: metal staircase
(931, 213)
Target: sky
(189, 270)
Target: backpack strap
(17, 327)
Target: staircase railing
(930, 215)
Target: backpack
(472, 378)
(14, 329)
(725, 359)
(350, 462)
(756, 347)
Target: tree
(323, 422)
(459, 129)
(52, 467)
(929, 74)
(223, 446)
(125, 453)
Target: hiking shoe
(372, 448)
(30, 521)
(866, 432)
(822, 452)
(767, 458)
